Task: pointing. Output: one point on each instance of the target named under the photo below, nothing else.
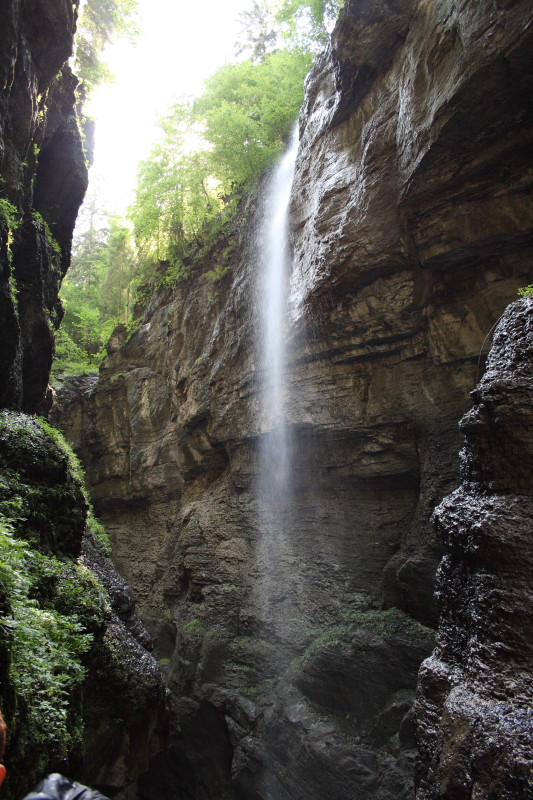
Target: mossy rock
(41, 485)
(356, 669)
(50, 606)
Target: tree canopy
(238, 127)
(100, 22)
(97, 293)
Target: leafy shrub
(46, 647)
(51, 607)
(10, 214)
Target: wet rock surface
(411, 228)
(475, 722)
(44, 177)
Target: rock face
(59, 572)
(411, 227)
(44, 177)
(43, 181)
(475, 718)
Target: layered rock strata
(44, 177)
(474, 709)
(412, 230)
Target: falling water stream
(275, 268)
(275, 602)
(274, 468)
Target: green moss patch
(41, 485)
(388, 624)
(51, 607)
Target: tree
(306, 23)
(176, 192)
(96, 293)
(212, 150)
(259, 30)
(100, 22)
(120, 273)
(248, 110)
(238, 127)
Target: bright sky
(181, 43)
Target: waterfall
(275, 266)
(276, 613)
(274, 467)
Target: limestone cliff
(412, 230)
(44, 177)
(475, 713)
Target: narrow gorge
(282, 535)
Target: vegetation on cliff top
(212, 150)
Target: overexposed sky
(180, 44)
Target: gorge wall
(411, 225)
(474, 705)
(44, 178)
(43, 508)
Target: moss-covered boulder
(72, 652)
(41, 485)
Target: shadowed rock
(474, 708)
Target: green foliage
(218, 272)
(195, 627)
(216, 147)
(239, 127)
(99, 533)
(248, 110)
(306, 23)
(52, 241)
(176, 196)
(259, 30)
(41, 476)
(50, 606)
(212, 151)
(293, 24)
(97, 295)
(388, 623)
(80, 590)
(10, 214)
(526, 291)
(46, 647)
(71, 359)
(100, 22)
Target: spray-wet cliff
(474, 708)
(411, 226)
